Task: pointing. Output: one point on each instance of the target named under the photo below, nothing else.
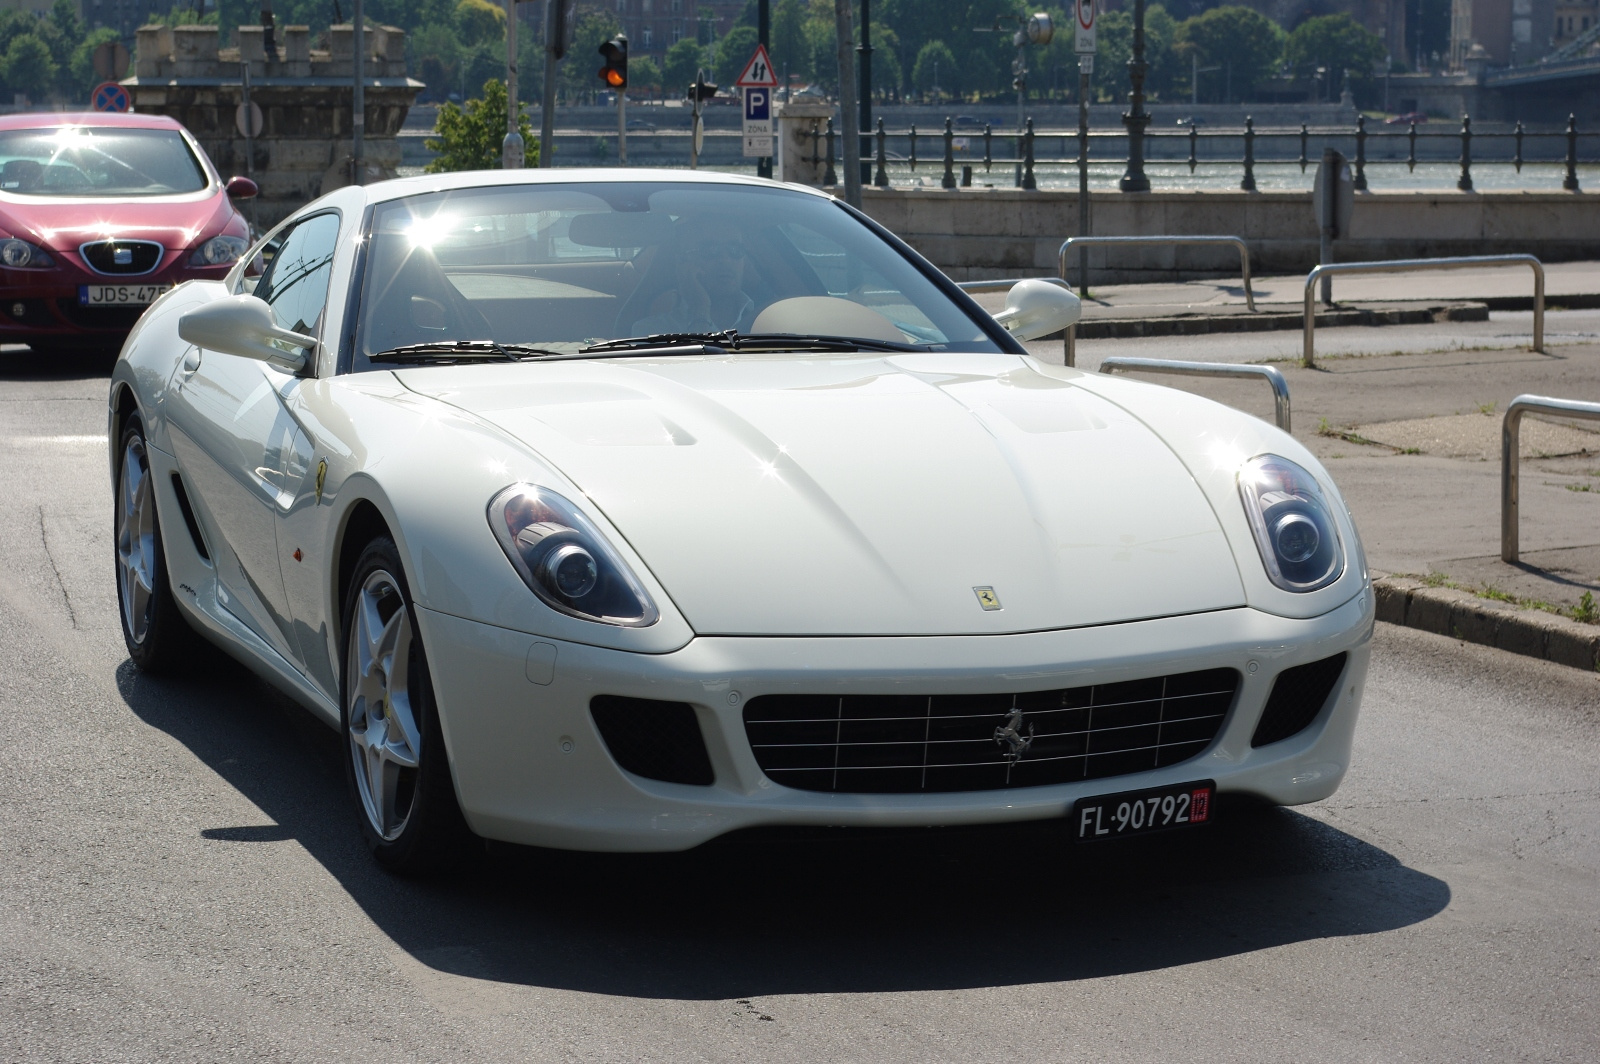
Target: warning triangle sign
(757, 73)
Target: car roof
(104, 119)
(401, 187)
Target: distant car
(641, 124)
(1406, 119)
(1192, 121)
(618, 509)
(99, 215)
(969, 122)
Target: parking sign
(1086, 10)
(758, 122)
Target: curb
(1462, 615)
(1199, 324)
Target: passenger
(710, 295)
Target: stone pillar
(797, 152)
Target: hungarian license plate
(1116, 816)
(119, 295)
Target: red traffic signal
(615, 72)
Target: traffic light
(615, 72)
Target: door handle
(191, 363)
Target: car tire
(158, 636)
(395, 760)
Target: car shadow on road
(786, 912)
(66, 364)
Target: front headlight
(19, 254)
(563, 557)
(219, 251)
(1293, 523)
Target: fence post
(1360, 183)
(829, 177)
(913, 157)
(988, 139)
(949, 180)
(1027, 157)
(1518, 160)
(1194, 140)
(1249, 182)
(1305, 133)
(1465, 181)
(1570, 182)
(881, 178)
(1411, 157)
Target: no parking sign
(109, 96)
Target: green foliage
(1164, 67)
(789, 50)
(1243, 42)
(28, 62)
(733, 52)
(1337, 42)
(470, 136)
(683, 59)
(644, 73)
(936, 66)
(580, 70)
(480, 22)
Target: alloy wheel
(385, 742)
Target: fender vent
(656, 740)
(188, 517)
(1298, 695)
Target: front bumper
(530, 766)
(42, 305)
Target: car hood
(869, 494)
(63, 225)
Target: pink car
(100, 214)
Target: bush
(470, 137)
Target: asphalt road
(180, 879)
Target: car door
(238, 446)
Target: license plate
(1116, 816)
(119, 295)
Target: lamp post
(512, 150)
(864, 64)
(764, 35)
(1134, 179)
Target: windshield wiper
(731, 340)
(461, 351)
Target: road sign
(1085, 13)
(758, 122)
(239, 116)
(111, 60)
(757, 73)
(109, 96)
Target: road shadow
(19, 363)
(786, 912)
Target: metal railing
(1309, 325)
(1511, 457)
(1280, 387)
(1005, 284)
(1454, 146)
(1106, 241)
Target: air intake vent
(1297, 697)
(122, 257)
(900, 744)
(188, 517)
(656, 740)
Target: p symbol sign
(757, 105)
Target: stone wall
(979, 233)
(305, 98)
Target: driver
(710, 296)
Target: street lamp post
(864, 64)
(511, 148)
(1134, 179)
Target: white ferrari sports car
(620, 509)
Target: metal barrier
(1280, 387)
(1102, 241)
(1308, 358)
(1004, 284)
(1511, 455)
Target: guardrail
(1511, 457)
(1308, 358)
(1105, 241)
(1280, 387)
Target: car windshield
(566, 267)
(97, 161)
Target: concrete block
(1574, 644)
(300, 154)
(1392, 598)
(394, 44)
(1478, 620)
(194, 45)
(339, 44)
(153, 47)
(297, 44)
(1431, 610)
(1524, 633)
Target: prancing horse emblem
(1010, 735)
(987, 598)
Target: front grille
(1298, 695)
(654, 739)
(122, 257)
(900, 744)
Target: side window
(295, 284)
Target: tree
(682, 60)
(470, 137)
(1114, 34)
(644, 73)
(436, 55)
(935, 67)
(734, 51)
(480, 22)
(1337, 42)
(28, 64)
(581, 68)
(789, 51)
(1245, 44)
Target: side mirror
(242, 188)
(243, 325)
(1036, 308)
